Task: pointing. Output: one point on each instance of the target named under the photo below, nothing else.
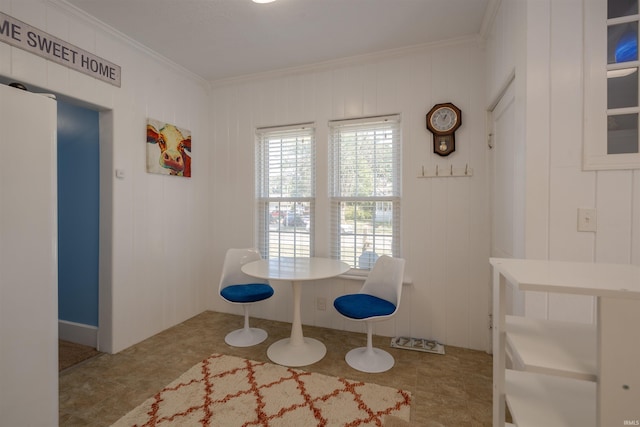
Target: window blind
(365, 189)
(285, 174)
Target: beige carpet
(393, 421)
(230, 391)
(70, 354)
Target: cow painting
(168, 149)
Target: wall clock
(442, 121)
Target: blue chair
(378, 299)
(239, 288)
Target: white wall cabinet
(564, 373)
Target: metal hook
(451, 173)
(436, 170)
(466, 169)
(422, 170)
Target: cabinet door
(28, 260)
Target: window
(285, 163)
(611, 80)
(365, 189)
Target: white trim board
(78, 333)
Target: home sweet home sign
(21, 35)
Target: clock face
(444, 119)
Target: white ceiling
(218, 39)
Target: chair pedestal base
(245, 337)
(372, 360)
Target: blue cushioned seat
(250, 292)
(239, 288)
(361, 306)
(377, 300)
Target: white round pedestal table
(297, 350)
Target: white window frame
(595, 156)
(391, 200)
(296, 240)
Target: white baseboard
(78, 333)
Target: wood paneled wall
(445, 221)
(546, 57)
(154, 229)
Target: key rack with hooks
(446, 172)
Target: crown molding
(479, 39)
(101, 26)
(489, 18)
(346, 61)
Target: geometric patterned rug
(228, 391)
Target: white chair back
(233, 261)
(385, 279)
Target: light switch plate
(587, 219)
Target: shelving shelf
(552, 347)
(545, 400)
(566, 373)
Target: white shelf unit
(537, 400)
(552, 347)
(568, 374)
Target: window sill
(363, 276)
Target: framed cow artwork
(168, 149)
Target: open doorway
(105, 131)
(78, 183)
